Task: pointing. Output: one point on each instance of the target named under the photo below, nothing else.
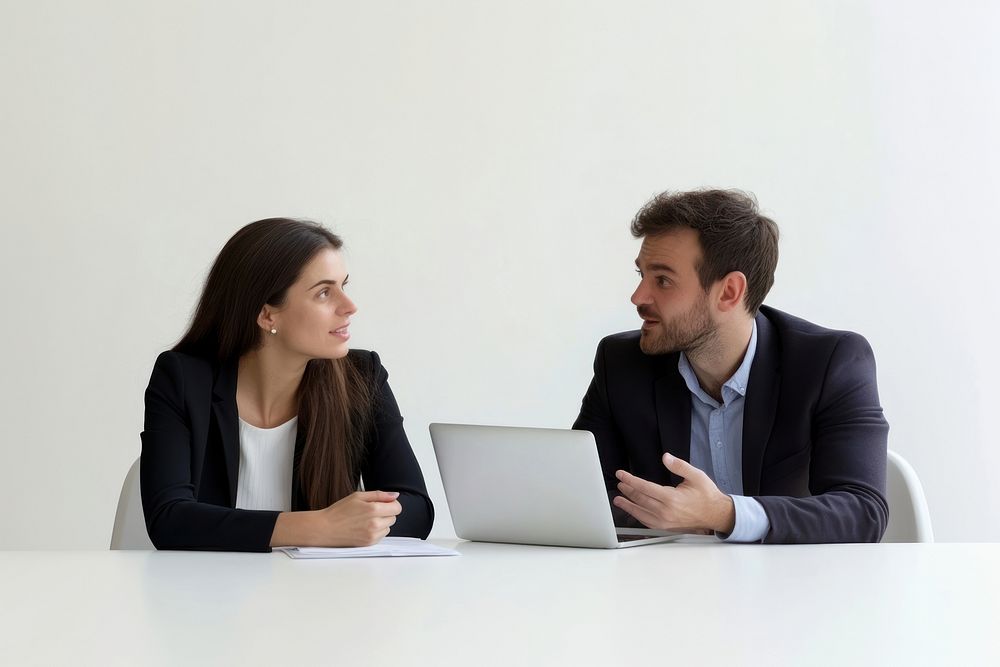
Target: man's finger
(639, 498)
(680, 467)
(641, 485)
(648, 519)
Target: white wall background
(483, 161)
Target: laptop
(529, 486)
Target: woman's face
(315, 317)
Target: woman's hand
(362, 518)
(358, 520)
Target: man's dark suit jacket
(191, 455)
(814, 438)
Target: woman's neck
(267, 387)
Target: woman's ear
(265, 320)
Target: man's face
(670, 299)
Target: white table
(666, 604)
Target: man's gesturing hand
(694, 505)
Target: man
(723, 415)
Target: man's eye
(662, 282)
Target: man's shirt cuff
(751, 521)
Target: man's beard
(691, 331)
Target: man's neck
(716, 362)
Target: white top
(265, 477)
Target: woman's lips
(342, 332)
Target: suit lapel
(227, 417)
(760, 405)
(673, 412)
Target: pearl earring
(273, 331)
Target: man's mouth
(648, 320)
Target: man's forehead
(678, 249)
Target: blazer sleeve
(175, 519)
(595, 416)
(389, 463)
(848, 459)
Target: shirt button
(718, 443)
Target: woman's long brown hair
(256, 267)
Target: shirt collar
(734, 386)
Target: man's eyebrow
(328, 282)
(657, 267)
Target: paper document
(389, 546)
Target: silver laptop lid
(524, 485)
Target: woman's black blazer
(191, 456)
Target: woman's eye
(662, 282)
(639, 272)
(324, 293)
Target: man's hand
(693, 506)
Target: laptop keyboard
(633, 538)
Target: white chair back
(909, 517)
(129, 531)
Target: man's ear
(732, 291)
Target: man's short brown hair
(734, 236)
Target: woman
(260, 423)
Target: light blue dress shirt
(717, 442)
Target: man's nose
(641, 295)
